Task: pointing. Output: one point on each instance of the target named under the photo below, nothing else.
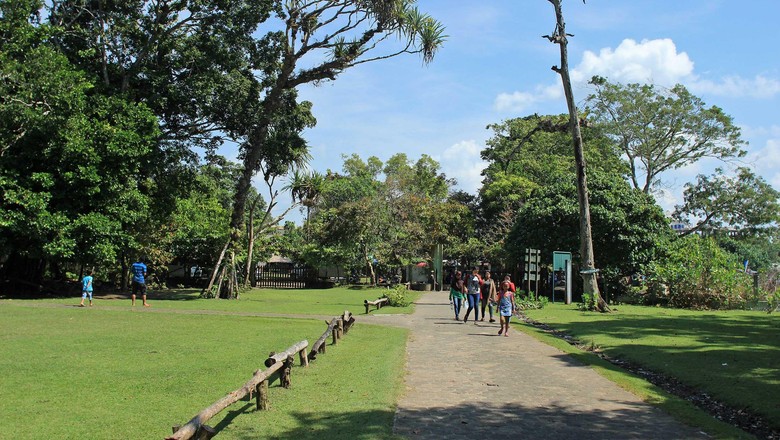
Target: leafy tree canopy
(660, 129)
(628, 226)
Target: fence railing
(277, 364)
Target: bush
(698, 274)
(397, 296)
(529, 301)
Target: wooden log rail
(378, 303)
(336, 328)
(277, 363)
(196, 428)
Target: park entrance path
(464, 381)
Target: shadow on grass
(732, 356)
(472, 421)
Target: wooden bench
(377, 303)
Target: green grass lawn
(89, 373)
(732, 355)
(329, 302)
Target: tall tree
(334, 35)
(660, 130)
(625, 220)
(77, 169)
(395, 221)
(587, 258)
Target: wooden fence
(277, 365)
(287, 278)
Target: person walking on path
(139, 281)
(472, 296)
(458, 386)
(488, 295)
(456, 294)
(506, 306)
(86, 288)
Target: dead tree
(588, 270)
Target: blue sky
(495, 66)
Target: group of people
(482, 294)
(139, 284)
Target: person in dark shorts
(139, 281)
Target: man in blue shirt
(139, 281)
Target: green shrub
(698, 274)
(397, 296)
(529, 301)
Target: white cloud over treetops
(462, 161)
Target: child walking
(506, 305)
(86, 288)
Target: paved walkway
(466, 382)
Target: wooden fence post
(285, 378)
(303, 358)
(205, 433)
(262, 396)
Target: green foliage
(397, 296)
(529, 301)
(629, 229)
(773, 301)
(360, 218)
(661, 129)
(745, 201)
(587, 304)
(698, 274)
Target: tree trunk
(251, 239)
(370, 267)
(588, 272)
(207, 290)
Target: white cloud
(518, 102)
(767, 159)
(760, 87)
(514, 102)
(667, 199)
(649, 61)
(654, 61)
(463, 162)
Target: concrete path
(465, 382)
